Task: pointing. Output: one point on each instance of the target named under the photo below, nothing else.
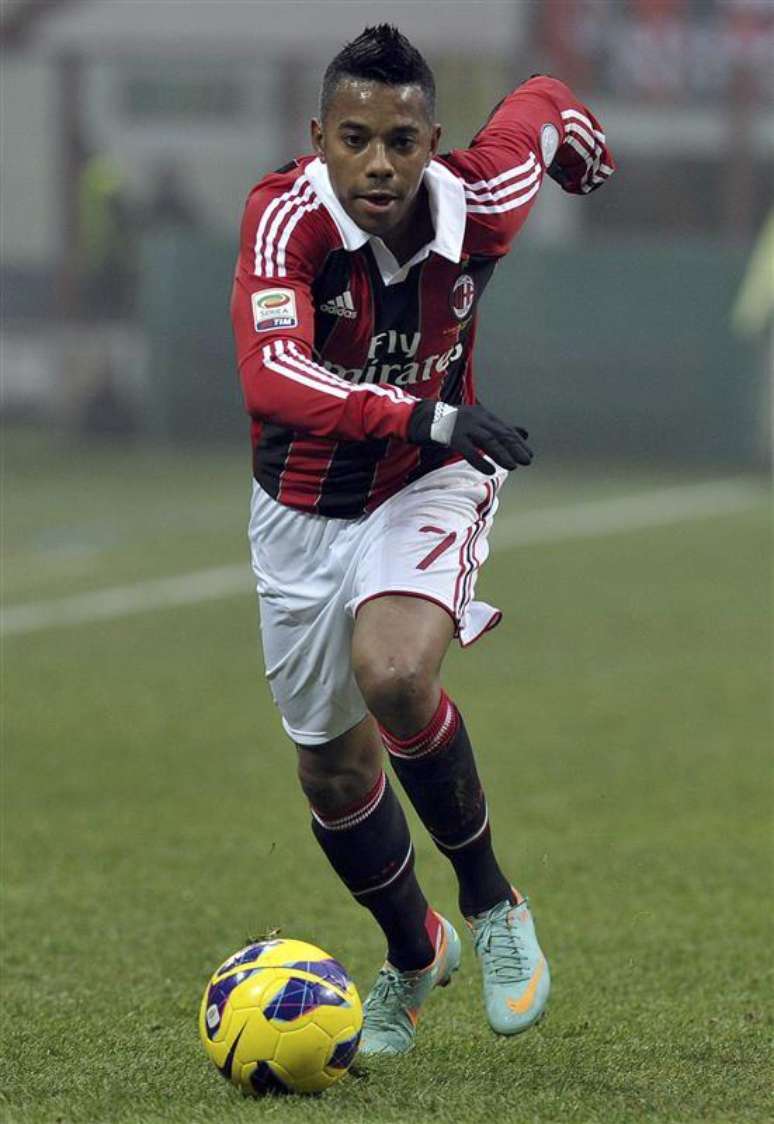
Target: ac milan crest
(462, 295)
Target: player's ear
(316, 133)
(435, 140)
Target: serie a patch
(274, 308)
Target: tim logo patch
(274, 308)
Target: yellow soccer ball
(281, 1016)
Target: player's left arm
(541, 128)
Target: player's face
(377, 141)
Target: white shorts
(313, 573)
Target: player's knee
(332, 781)
(395, 689)
(320, 789)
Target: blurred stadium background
(133, 132)
(632, 331)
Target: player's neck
(415, 230)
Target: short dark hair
(380, 54)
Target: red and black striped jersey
(336, 341)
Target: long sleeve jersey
(336, 341)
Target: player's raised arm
(285, 237)
(539, 129)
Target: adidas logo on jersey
(340, 306)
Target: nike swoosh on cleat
(522, 1005)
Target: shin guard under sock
(437, 769)
(369, 847)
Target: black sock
(438, 771)
(370, 849)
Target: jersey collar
(447, 209)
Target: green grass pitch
(152, 820)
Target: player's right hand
(470, 431)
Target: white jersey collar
(447, 209)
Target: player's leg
(398, 647)
(362, 829)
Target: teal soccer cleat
(391, 1011)
(516, 976)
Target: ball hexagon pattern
(281, 1016)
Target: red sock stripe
(439, 731)
(434, 929)
(354, 815)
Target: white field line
(627, 513)
(584, 520)
(124, 600)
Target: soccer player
(376, 477)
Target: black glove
(468, 429)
